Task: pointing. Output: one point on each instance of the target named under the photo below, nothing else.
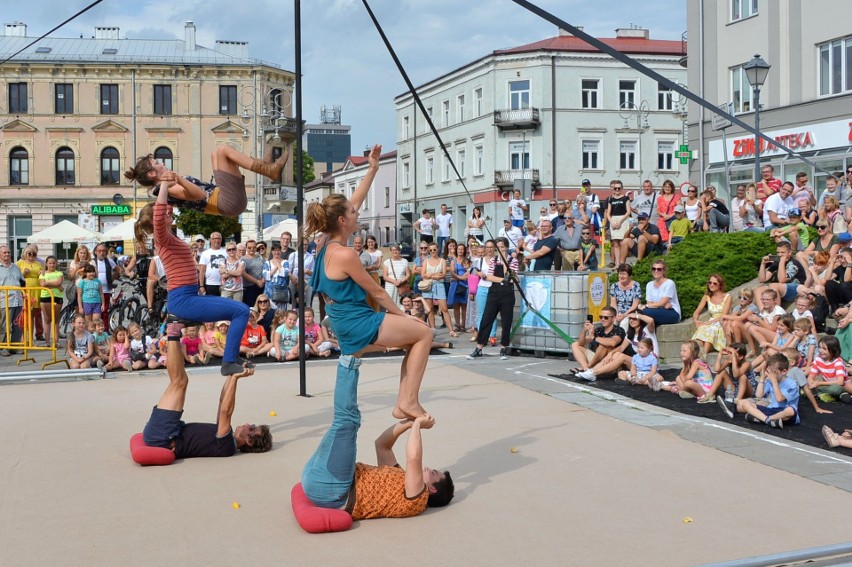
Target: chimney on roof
(15, 29)
(104, 32)
(237, 49)
(189, 36)
(638, 32)
(566, 33)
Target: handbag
(425, 285)
(280, 294)
(402, 288)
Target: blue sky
(344, 61)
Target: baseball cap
(586, 182)
(794, 212)
(844, 237)
(642, 216)
(197, 238)
(507, 220)
(679, 209)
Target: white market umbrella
(275, 230)
(65, 231)
(123, 231)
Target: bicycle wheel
(132, 312)
(66, 320)
(116, 315)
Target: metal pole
(756, 97)
(300, 196)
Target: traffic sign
(719, 122)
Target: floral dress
(624, 297)
(713, 333)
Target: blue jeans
(329, 473)
(442, 243)
(662, 316)
(481, 300)
(187, 304)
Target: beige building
(75, 113)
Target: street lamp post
(756, 71)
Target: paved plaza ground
(547, 473)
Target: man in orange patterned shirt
(332, 479)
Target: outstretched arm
(386, 441)
(414, 456)
(227, 401)
(360, 193)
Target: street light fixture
(756, 71)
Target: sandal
(453, 334)
(830, 437)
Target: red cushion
(145, 455)
(316, 520)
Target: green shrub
(736, 256)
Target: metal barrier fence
(19, 319)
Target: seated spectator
(715, 216)
(826, 241)
(512, 233)
(624, 295)
(762, 327)
(809, 214)
(820, 274)
(190, 347)
(119, 350)
(834, 440)
(733, 370)
(208, 340)
(81, 345)
(796, 232)
(643, 239)
(838, 290)
(832, 215)
(803, 310)
(285, 338)
(254, 342)
(747, 209)
(596, 342)
(711, 333)
(219, 339)
(678, 228)
(782, 393)
(784, 338)
(797, 373)
(776, 208)
(661, 302)
(827, 375)
(734, 323)
(641, 328)
(316, 339)
(695, 378)
(782, 273)
(643, 367)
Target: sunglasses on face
(606, 317)
(231, 249)
(821, 227)
(260, 301)
(552, 204)
(657, 269)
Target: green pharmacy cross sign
(683, 154)
(111, 209)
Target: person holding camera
(782, 272)
(595, 343)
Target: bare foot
(408, 412)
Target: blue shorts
(770, 411)
(791, 294)
(162, 427)
(518, 223)
(91, 308)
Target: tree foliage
(195, 222)
(308, 174)
(736, 256)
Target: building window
(835, 66)
(626, 94)
(227, 100)
(477, 102)
(460, 162)
(460, 108)
(19, 167)
(17, 98)
(430, 169)
(405, 132)
(627, 154)
(164, 156)
(445, 111)
(591, 150)
(519, 95)
(665, 156)
(590, 93)
(109, 99)
(64, 166)
(478, 159)
(741, 9)
(387, 197)
(519, 155)
(110, 167)
(445, 173)
(162, 99)
(406, 174)
(740, 90)
(276, 101)
(63, 101)
(665, 98)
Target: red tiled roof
(623, 44)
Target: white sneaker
(587, 375)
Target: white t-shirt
(643, 203)
(516, 210)
(444, 222)
(212, 259)
(426, 226)
(514, 235)
(668, 289)
(778, 205)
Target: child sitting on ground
(828, 372)
(101, 342)
(782, 392)
(834, 440)
(190, 347)
(81, 345)
(695, 378)
(804, 304)
(119, 351)
(734, 323)
(208, 340)
(157, 352)
(806, 343)
(219, 337)
(796, 373)
(784, 338)
(316, 341)
(285, 338)
(733, 370)
(643, 367)
(140, 345)
(254, 342)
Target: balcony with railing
(507, 177)
(517, 119)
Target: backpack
(820, 311)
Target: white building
(805, 101)
(552, 113)
(378, 214)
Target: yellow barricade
(24, 314)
